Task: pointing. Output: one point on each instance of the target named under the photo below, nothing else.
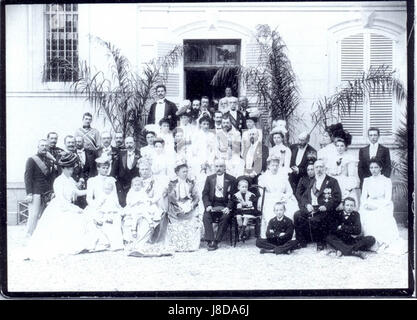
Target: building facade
(327, 44)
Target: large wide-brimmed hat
(68, 159)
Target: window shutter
(380, 105)
(352, 66)
(253, 53)
(172, 82)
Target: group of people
(205, 166)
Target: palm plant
(376, 80)
(273, 79)
(400, 167)
(120, 94)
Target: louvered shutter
(380, 105)
(352, 66)
(253, 53)
(254, 59)
(172, 83)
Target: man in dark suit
(110, 151)
(373, 150)
(317, 205)
(345, 229)
(218, 204)
(54, 153)
(162, 108)
(305, 182)
(119, 141)
(126, 169)
(38, 182)
(301, 153)
(87, 159)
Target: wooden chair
(254, 223)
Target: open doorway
(202, 59)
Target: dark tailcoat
(294, 178)
(209, 191)
(239, 123)
(170, 113)
(363, 166)
(36, 182)
(124, 175)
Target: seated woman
(151, 212)
(377, 211)
(279, 150)
(104, 208)
(183, 230)
(244, 204)
(277, 189)
(62, 227)
(343, 167)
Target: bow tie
(161, 102)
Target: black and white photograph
(204, 147)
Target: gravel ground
(240, 268)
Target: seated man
(318, 202)
(304, 182)
(217, 202)
(345, 230)
(278, 233)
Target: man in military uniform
(38, 183)
(91, 135)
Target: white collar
(80, 150)
(161, 100)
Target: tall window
(202, 59)
(362, 52)
(61, 42)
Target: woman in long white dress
(184, 227)
(104, 210)
(279, 150)
(62, 228)
(377, 211)
(343, 167)
(277, 188)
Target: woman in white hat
(183, 231)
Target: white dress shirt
(159, 110)
(300, 154)
(81, 155)
(251, 155)
(130, 159)
(219, 186)
(373, 149)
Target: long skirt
(381, 224)
(61, 231)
